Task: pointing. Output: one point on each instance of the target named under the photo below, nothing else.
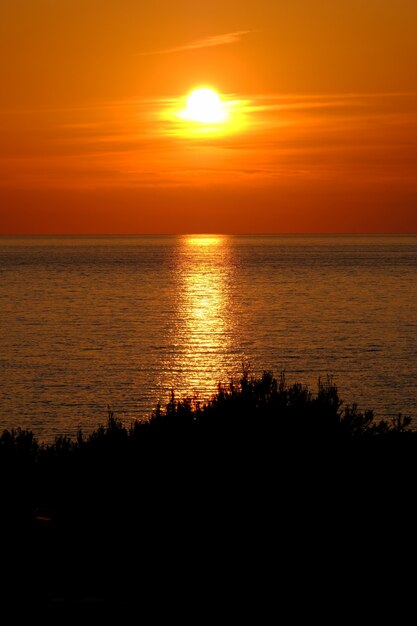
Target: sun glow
(205, 106)
(204, 112)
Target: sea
(97, 323)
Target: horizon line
(212, 233)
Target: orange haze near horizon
(320, 133)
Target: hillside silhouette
(264, 470)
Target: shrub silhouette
(250, 406)
(195, 475)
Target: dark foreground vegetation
(204, 499)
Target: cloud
(205, 42)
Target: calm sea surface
(88, 322)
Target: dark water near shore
(88, 322)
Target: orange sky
(323, 131)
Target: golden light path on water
(203, 333)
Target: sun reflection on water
(203, 331)
(204, 297)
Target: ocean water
(91, 322)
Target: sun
(205, 106)
(204, 112)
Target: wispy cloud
(205, 42)
(270, 139)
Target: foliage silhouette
(205, 476)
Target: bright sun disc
(204, 105)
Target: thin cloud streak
(205, 42)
